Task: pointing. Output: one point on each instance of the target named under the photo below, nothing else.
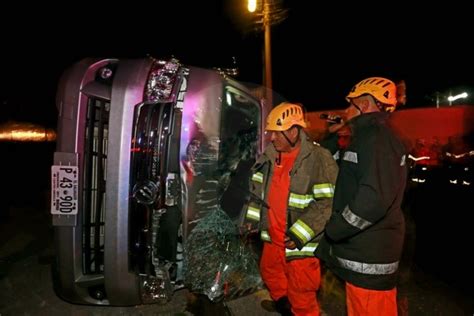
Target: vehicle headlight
(161, 80)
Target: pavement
(26, 255)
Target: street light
(452, 98)
(252, 6)
(270, 13)
(438, 96)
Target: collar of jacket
(270, 153)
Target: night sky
(318, 53)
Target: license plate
(64, 187)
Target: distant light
(228, 99)
(25, 132)
(252, 5)
(458, 96)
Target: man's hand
(290, 244)
(335, 127)
(247, 229)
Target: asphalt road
(436, 271)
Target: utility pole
(268, 51)
(270, 14)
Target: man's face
(279, 141)
(352, 110)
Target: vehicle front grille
(95, 166)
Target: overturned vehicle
(145, 150)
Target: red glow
(431, 124)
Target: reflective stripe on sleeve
(350, 156)
(265, 236)
(299, 200)
(253, 213)
(323, 190)
(257, 177)
(354, 219)
(403, 160)
(302, 231)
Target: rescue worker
(363, 239)
(294, 182)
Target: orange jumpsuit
(367, 302)
(298, 279)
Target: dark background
(319, 51)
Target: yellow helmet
(383, 90)
(284, 116)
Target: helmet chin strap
(357, 107)
(379, 106)
(292, 144)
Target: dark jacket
(364, 237)
(312, 180)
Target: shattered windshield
(218, 262)
(238, 148)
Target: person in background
(294, 182)
(401, 93)
(363, 239)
